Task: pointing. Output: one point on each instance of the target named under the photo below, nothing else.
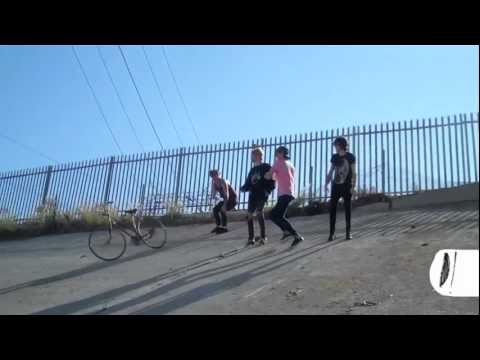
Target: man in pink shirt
(284, 173)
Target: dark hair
(283, 150)
(342, 142)
(211, 173)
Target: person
(229, 200)
(259, 190)
(284, 173)
(343, 176)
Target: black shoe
(250, 242)
(349, 236)
(215, 229)
(263, 241)
(222, 230)
(331, 237)
(285, 235)
(298, 239)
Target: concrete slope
(384, 270)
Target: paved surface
(384, 270)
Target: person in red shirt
(229, 200)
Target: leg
(223, 215)
(261, 217)
(276, 214)
(347, 197)
(261, 223)
(216, 213)
(250, 211)
(251, 232)
(285, 224)
(333, 208)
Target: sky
(231, 93)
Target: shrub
(8, 225)
(94, 215)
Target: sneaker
(221, 230)
(250, 242)
(285, 235)
(349, 236)
(263, 241)
(215, 229)
(331, 237)
(298, 239)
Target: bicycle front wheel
(107, 245)
(153, 234)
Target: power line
(179, 93)
(161, 95)
(140, 96)
(119, 98)
(96, 100)
(29, 148)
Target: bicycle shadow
(186, 280)
(102, 265)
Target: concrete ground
(384, 270)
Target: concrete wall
(462, 193)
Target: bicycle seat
(131, 211)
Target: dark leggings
(340, 191)
(220, 216)
(279, 212)
(256, 204)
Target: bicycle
(111, 243)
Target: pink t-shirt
(284, 174)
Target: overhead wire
(161, 95)
(29, 148)
(140, 96)
(132, 127)
(99, 106)
(180, 94)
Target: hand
(224, 207)
(352, 190)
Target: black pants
(340, 191)
(279, 212)
(256, 203)
(220, 216)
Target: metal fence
(393, 158)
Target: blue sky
(232, 93)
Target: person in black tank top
(229, 200)
(343, 176)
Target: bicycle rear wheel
(153, 234)
(107, 245)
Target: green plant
(47, 213)
(8, 224)
(94, 215)
(174, 209)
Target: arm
(246, 186)
(225, 191)
(269, 174)
(354, 176)
(213, 191)
(329, 176)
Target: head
(257, 155)
(214, 174)
(282, 153)
(341, 144)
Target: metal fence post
(383, 170)
(46, 187)
(310, 181)
(178, 175)
(109, 179)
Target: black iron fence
(393, 158)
